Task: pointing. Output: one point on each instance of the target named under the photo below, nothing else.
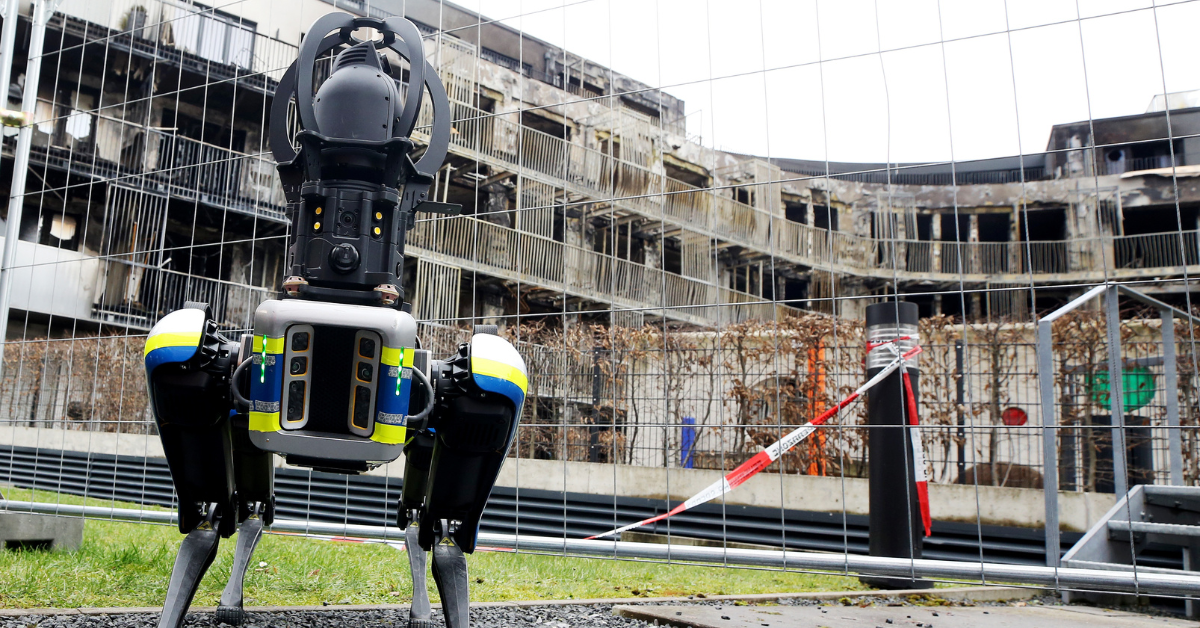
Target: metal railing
(1154, 162)
(217, 44)
(470, 242)
(215, 175)
(1157, 250)
(149, 293)
(1142, 582)
(89, 142)
(1114, 396)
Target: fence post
(1045, 362)
(1171, 391)
(895, 525)
(1116, 399)
(8, 40)
(959, 407)
(40, 13)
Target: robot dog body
(333, 378)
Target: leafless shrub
(88, 383)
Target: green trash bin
(1137, 387)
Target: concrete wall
(948, 502)
(55, 281)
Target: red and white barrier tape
(764, 458)
(918, 450)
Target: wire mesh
(675, 214)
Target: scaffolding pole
(8, 41)
(40, 13)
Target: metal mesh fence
(686, 282)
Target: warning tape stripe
(764, 458)
(918, 450)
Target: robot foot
(420, 615)
(196, 553)
(229, 610)
(232, 615)
(450, 575)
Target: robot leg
(254, 478)
(450, 575)
(188, 371)
(417, 453)
(196, 554)
(420, 614)
(229, 610)
(480, 392)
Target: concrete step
(1172, 533)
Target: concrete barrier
(30, 531)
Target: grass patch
(128, 564)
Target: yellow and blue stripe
(392, 395)
(174, 339)
(498, 368)
(266, 383)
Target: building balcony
(584, 173)
(476, 245)
(74, 285)
(85, 143)
(219, 46)
(138, 295)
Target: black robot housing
(352, 185)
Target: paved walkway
(895, 616)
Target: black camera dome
(359, 100)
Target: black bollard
(896, 530)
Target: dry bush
(939, 388)
(1187, 340)
(1080, 350)
(89, 383)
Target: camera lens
(299, 366)
(365, 371)
(295, 401)
(343, 258)
(300, 341)
(362, 406)
(366, 347)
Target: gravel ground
(581, 616)
(487, 617)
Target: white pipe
(1078, 301)
(8, 41)
(39, 13)
(1103, 580)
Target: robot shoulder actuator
(188, 368)
(175, 339)
(496, 367)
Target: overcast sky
(867, 80)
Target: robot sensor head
(348, 173)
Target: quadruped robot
(333, 377)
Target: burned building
(583, 195)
